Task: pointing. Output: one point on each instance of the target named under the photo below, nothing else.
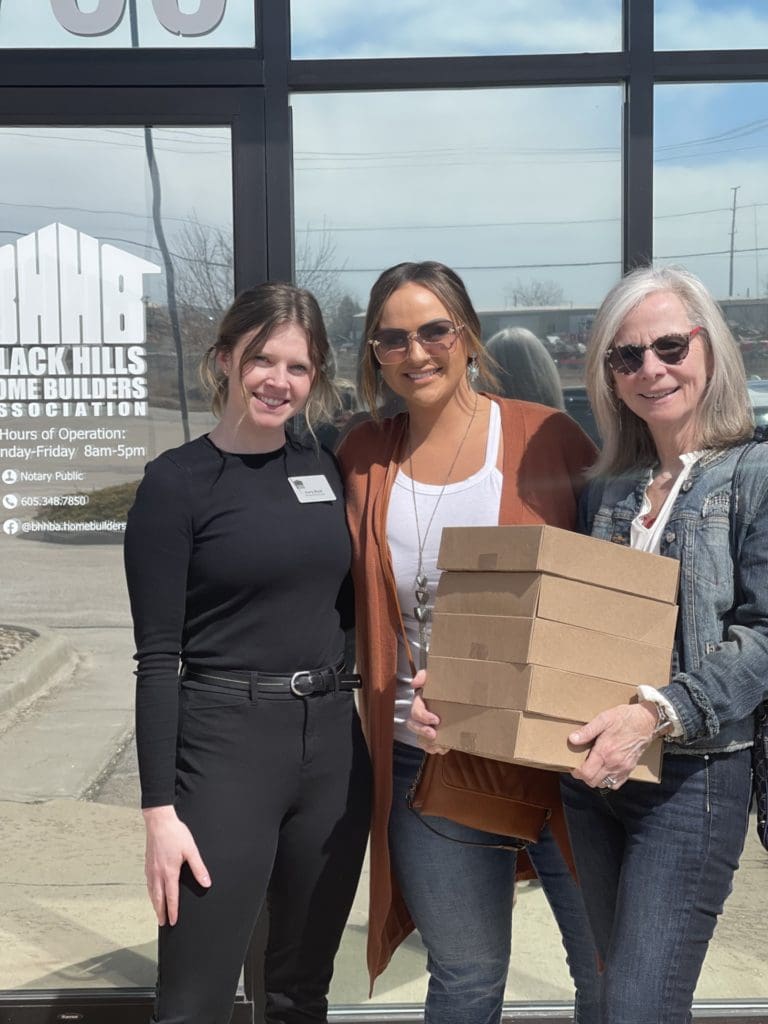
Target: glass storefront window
(65, 24)
(710, 24)
(520, 192)
(406, 28)
(517, 190)
(711, 199)
(98, 354)
(417, 178)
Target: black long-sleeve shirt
(226, 569)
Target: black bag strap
(733, 512)
(760, 748)
(760, 437)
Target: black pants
(276, 792)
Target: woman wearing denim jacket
(668, 389)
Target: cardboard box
(533, 688)
(536, 595)
(560, 553)
(551, 644)
(523, 738)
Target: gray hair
(525, 368)
(724, 415)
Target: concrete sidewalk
(75, 912)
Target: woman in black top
(254, 774)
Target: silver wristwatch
(662, 720)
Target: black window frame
(250, 89)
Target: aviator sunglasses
(671, 349)
(390, 344)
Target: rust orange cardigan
(545, 455)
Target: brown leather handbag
(493, 796)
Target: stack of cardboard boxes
(536, 630)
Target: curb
(46, 661)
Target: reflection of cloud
(488, 181)
(405, 28)
(702, 241)
(711, 24)
(710, 138)
(707, 121)
(101, 185)
(511, 184)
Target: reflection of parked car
(758, 395)
(577, 405)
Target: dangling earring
(473, 371)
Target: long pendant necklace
(420, 583)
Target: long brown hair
(449, 288)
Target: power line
(140, 245)
(119, 145)
(485, 225)
(359, 228)
(114, 213)
(541, 266)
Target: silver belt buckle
(295, 687)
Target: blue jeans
(656, 865)
(566, 902)
(460, 898)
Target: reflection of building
(746, 317)
(565, 329)
(568, 323)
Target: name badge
(311, 488)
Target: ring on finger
(608, 782)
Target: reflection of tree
(203, 258)
(534, 293)
(341, 320)
(317, 269)
(205, 270)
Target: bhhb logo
(72, 327)
(59, 287)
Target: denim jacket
(720, 660)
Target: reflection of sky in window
(101, 184)
(709, 139)
(711, 24)
(32, 23)
(426, 28)
(503, 185)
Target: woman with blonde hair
(254, 773)
(677, 476)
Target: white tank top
(471, 502)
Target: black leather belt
(300, 684)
